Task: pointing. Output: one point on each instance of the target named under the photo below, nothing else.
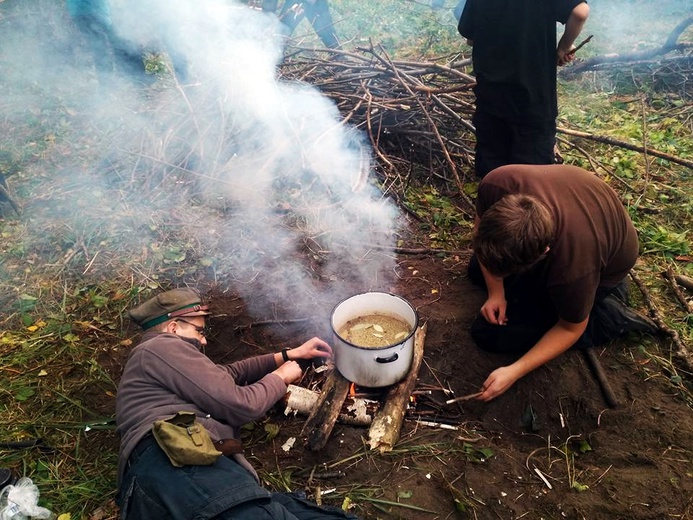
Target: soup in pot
(375, 330)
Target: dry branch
(670, 277)
(682, 352)
(622, 144)
(671, 44)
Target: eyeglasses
(202, 331)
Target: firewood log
(355, 411)
(321, 421)
(385, 429)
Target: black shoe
(610, 319)
(624, 318)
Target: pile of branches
(414, 113)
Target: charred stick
(582, 44)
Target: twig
(681, 351)
(582, 44)
(636, 148)
(670, 277)
(463, 398)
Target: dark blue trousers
(153, 488)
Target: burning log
(385, 428)
(321, 421)
(355, 411)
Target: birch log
(385, 429)
(355, 411)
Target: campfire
(329, 398)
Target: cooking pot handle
(393, 357)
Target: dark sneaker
(623, 318)
(610, 319)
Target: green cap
(176, 303)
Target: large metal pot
(368, 366)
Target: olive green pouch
(185, 441)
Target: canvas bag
(185, 441)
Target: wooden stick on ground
(682, 351)
(321, 421)
(600, 375)
(385, 428)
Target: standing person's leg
(128, 57)
(291, 14)
(95, 36)
(493, 140)
(318, 13)
(533, 143)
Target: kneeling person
(553, 245)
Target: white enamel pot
(368, 366)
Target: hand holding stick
(582, 44)
(463, 398)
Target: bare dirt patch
(549, 448)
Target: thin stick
(600, 375)
(582, 44)
(463, 398)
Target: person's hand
(565, 56)
(289, 372)
(313, 348)
(494, 309)
(497, 383)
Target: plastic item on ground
(19, 501)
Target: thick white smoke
(273, 165)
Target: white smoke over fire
(253, 149)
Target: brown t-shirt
(595, 243)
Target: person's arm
(495, 305)
(557, 340)
(573, 27)
(493, 309)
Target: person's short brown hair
(513, 234)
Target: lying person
(166, 374)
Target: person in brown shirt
(553, 245)
(167, 373)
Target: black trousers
(531, 314)
(500, 142)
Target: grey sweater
(166, 374)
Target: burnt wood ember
(320, 423)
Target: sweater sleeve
(193, 377)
